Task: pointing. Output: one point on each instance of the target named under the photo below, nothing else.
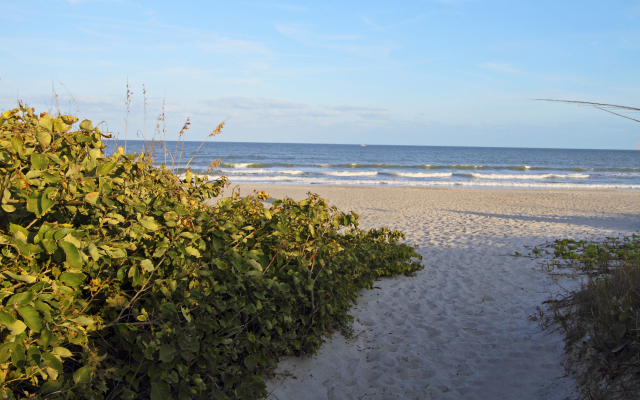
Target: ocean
(376, 165)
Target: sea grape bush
(119, 279)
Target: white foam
(392, 182)
(424, 174)
(239, 165)
(350, 173)
(291, 172)
(529, 176)
(252, 171)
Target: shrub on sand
(119, 281)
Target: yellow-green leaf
(21, 278)
(86, 125)
(31, 318)
(61, 352)
(72, 278)
(44, 138)
(82, 320)
(82, 375)
(46, 122)
(92, 197)
(150, 224)
(74, 260)
(39, 161)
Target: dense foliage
(600, 320)
(119, 279)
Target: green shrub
(600, 321)
(118, 280)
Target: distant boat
(363, 145)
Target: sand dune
(459, 329)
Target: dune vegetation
(121, 279)
(600, 320)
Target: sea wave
(529, 176)
(295, 180)
(246, 171)
(349, 173)
(423, 174)
(244, 165)
(291, 172)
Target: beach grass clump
(600, 320)
(121, 280)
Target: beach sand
(460, 328)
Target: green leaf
(17, 145)
(82, 320)
(185, 314)
(220, 264)
(86, 125)
(52, 361)
(72, 278)
(45, 338)
(104, 169)
(21, 278)
(49, 245)
(6, 318)
(82, 375)
(44, 138)
(160, 391)
(31, 317)
(251, 362)
(147, 265)
(13, 228)
(8, 208)
(148, 223)
(114, 253)
(17, 327)
(39, 161)
(167, 352)
(46, 122)
(74, 260)
(192, 251)
(39, 203)
(93, 251)
(52, 178)
(50, 386)
(92, 197)
(134, 274)
(61, 352)
(21, 298)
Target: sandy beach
(460, 328)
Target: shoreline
(460, 328)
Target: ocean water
(374, 165)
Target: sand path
(459, 329)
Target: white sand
(459, 329)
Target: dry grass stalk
(212, 134)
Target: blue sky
(456, 73)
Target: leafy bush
(601, 320)
(118, 280)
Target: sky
(422, 72)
